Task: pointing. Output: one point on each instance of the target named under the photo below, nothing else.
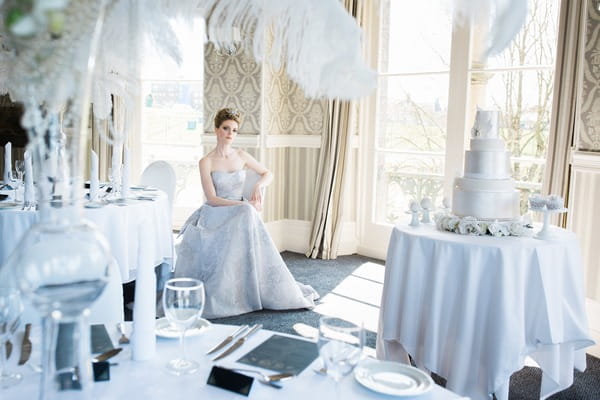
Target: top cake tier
(486, 125)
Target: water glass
(340, 346)
(183, 303)
(11, 308)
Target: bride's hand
(257, 194)
(256, 204)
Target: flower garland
(472, 226)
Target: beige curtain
(333, 164)
(99, 132)
(566, 89)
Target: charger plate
(163, 328)
(392, 378)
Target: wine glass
(10, 313)
(20, 168)
(183, 302)
(340, 346)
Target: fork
(123, 339)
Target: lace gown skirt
(230, 250)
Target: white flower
(516, 228)
(439, 219)
(451, 224)
(469, 226)
(498, 229)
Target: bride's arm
(266, 175)
(209, 188)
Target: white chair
(160, 174)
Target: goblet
(10, 312)
(340, 346)
(183, 302)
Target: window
(172, 118)
(414, 137)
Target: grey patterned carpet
(350, 287)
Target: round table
(121, 225)
(150, 379)
(471, 308)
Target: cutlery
(123, 339)
(239, 342)
(269, 378)
(228, 339)
(107, 354)
(12, 329)
(25, 345)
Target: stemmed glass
(340, 346)
(10, 313)
(20, 168)
(183, 302)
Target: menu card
(282, 354)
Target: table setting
(211, 360)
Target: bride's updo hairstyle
(225, 114)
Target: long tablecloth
(121, 225)
(471, 308)
(150, 380)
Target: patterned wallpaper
(232, 81)
(287, 110)
(589, 136)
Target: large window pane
(536, 42)
(412, 112)
(415, 36)
(402, 178)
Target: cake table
(471, 308)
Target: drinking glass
(10, 313)
(340, 346)
(183, 302)
(20, 168)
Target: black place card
(230, 380)
(282, 354)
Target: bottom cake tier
(483, 199)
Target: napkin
(125, 174)
(143, 338)
(94, 184)
(7, 162)
(29, 195)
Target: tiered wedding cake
(487, 191)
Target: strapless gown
(230, 250)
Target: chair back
(251, 178)
(161, 175)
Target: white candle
(7, 162)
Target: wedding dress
(230, 250)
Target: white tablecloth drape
(120, 225)
(471, 308)
(150, 380)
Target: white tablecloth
(471, 308)
(149, 380)
(120, 225)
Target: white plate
(163, 328)
(10, 204)
(392, 378)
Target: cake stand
(544, 233)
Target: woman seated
(225, 243)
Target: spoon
(265, 377)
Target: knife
(228, 339)
(107, 354)
(9, 346)
(25, 345)
(239, 342)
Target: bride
(225, 243)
